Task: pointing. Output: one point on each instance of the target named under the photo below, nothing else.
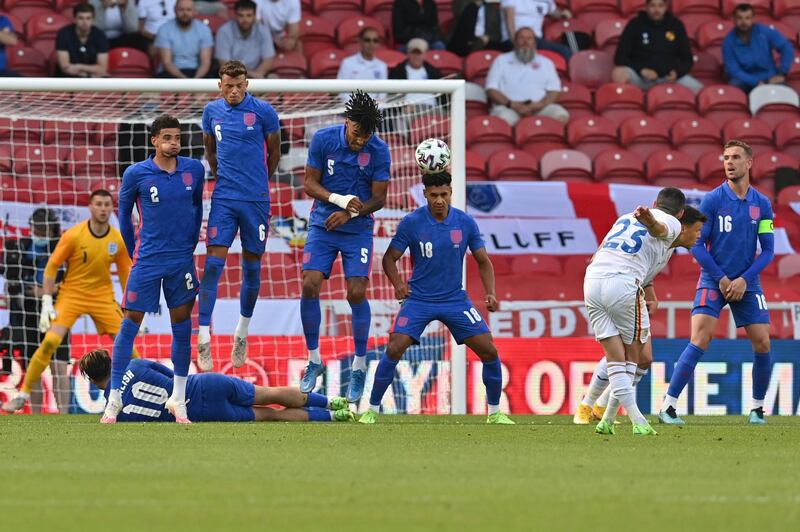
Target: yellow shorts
(106, 315)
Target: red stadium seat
(784, 29)
(707, 68)
(558, 61)
(630, 8)
(787, 137)
(668, 164)
(447, 62)
(580, 7)
(644, 135)
(607, 33)
(129, 63)
(765, 164)
(489, 134)
(536, 265)
(670, 101)
(710, 167)
(6, 159)
(325, 63)
(751, 130)
(789, 266)
(592, 134)
(539, 134)
(683, 266)
(62, 5)
(316, 34)
(212, 21)
(431, 126)
(348, 29)
(575, 267)
(722, 103)
(616, 165)
(477, 65)
(695, 136)
(477, 102)
(788, 195)
(566, 165)
(379, 9)
(44, 27)
(280, 199)
(712, 33)
(336, 10)
(554, 31)
(291, 65)
(25, 13)
(760, 7)
(512, 165)
(774, 103)
(70, 133)
(37, 160)
(21, 130)
(93, 161)
(16, 23)
(618, 101)
(577, 99)
(591, 68)
(787, 11)
(392, 58)
(476, 166)
(682, 7)
(27, 62)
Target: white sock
(204, 334)
(622, 389)
(359, 364)
(493, 409)
(179, 388)
(314, 356)
(24, 395)
(241, 328)
(115, 396)
(612, 408)
(602, 401)
(758, 403)
(669, 401)
(375, 408)
(640, 373)
(598, 384)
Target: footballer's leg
(180, 291)
(263, 413)
(758, 333)
(597, 386)
(399, 342)
(492, 374)
(357, 262)
(294, 398)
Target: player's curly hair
(163, 122)
(96, 365)
(438, 179)
(362, 109)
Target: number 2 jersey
(628, 249)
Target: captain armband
(766, 226)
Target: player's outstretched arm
(486, 271)
(389, 263)
(645, 217)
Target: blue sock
(181, 354)
(362, 316)
(384, 376)
(318, 415)
(493, 380)
(311, 316)
(684, 369)
(121, 354)
(251, 282)
(762, 369)
(317, 400)
(208, 288)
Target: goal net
(62, 139)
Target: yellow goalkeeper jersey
(88, 258)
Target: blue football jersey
(146, 386)
(346, 172)
(170, 209)
(241, 134)
(731, 232)
(437, 251)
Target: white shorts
(616, 307)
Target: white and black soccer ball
(433, 156)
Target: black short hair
(671, 200)
(692, 215)
(163, 122)
(436, 180)
(245, 4)
(742, 8)
(82, 8)
(363, 110)
(103, 193)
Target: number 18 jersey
(629, 250)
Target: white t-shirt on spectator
(519, 81)
(279, 14)
(357, 67)
(113, 22)
(419, 98)
(480, 24)
(155, 13)
(529, 13)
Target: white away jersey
(628, 249)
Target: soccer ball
(433, 156)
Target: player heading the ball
(438, 236)
(242, 139)
(347, 174)
(168, 192)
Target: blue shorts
(146, 279)
(751, 309)
(250, 218)
(225, 398)
(322, 247)
(460, 317)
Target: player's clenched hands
(401, 291)
(736, 289)
(724, 283)
(336, 219)
(354, 205)
(644, 216)
(491, 303)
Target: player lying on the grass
(633, 252)
(438, 236)
(739, 217)
(88, 249)
(147, 384)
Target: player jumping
(242, 140)
(438, 236)
(88, 249)
(738, 217)
(347, 174)
(168, 192)
(210, 396)
(633, 252)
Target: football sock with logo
(684, 369)
(492, 375)
(362, 316)
(384, 375)
(762, 369)
(208, 288)
(311, 317)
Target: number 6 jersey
(628, 249)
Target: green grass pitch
(404, 473)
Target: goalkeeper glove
(48, 313)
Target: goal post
(44, 136)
